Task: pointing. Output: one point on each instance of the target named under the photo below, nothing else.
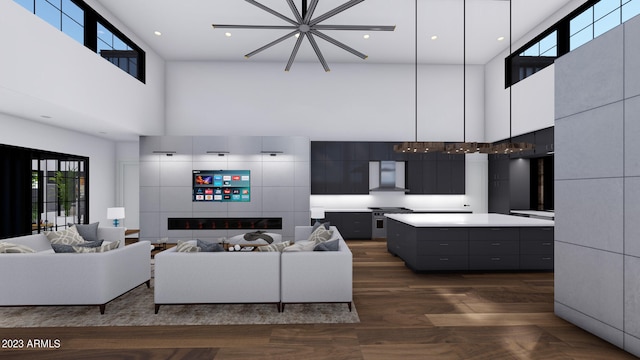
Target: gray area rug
(136, 308)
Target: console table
(470, 242)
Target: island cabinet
(442, 248)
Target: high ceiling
(187, 33)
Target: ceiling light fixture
(434, 37)
(501, 38)
(157, 33)
(305, 26)
(366, 36)
(463, 147)
(227, 34)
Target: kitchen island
(471, 242)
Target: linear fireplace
(223, 223)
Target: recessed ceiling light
(366, 36)
(434, 37)
(297, 35)
(157, 33)
(501, 38)
(227, 34)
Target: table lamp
(115, 213)
(317, 213)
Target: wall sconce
(220, 153)
(272, 153)
(168, 153)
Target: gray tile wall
(597, 186)
(280, 185)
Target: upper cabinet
(343, 168)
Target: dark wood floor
(403, 316)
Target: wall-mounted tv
(221, 185)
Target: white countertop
(468, 220)
(536, 213)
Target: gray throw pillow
(318, 223)
(62, 248)
(209, 247)
(89, 232)
(327, 246)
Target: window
(70, 16)
(589, 21)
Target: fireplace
(224, 223)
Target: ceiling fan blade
(315, 47)
(309, 14)
(275, 27)
(271, 44)
(334, 12)
(271, 11)
(339, 44)
(296, 47)
(356, 27)
(295, 11)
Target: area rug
(136, 308)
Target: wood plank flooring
(403, 316)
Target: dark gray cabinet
(499, 186)
(352, 225)
(474, 249)
(343, 168)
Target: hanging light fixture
(461, 147)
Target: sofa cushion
(320, 234)
(275, 246)
(332, 245)
(187, 246)
(89, 232)
(10, 248)
(69, 236)
(62, 248)
(209, 247)
(104, 248)
(304, 245)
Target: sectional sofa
(48, 278)
(255, 277)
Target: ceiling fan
(304, 26)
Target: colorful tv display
(221, 185)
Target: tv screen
(221, 186)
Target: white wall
(532, 99)
(101, 153)
(354, 102)
(43, 67)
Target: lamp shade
(115, 213)
(317, 213)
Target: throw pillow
(327, 246)
(304, 245)
(89, 232)
(320, 235)
(318, 223)
(275, 246)
(104, 248)
(209, 247)
(10, 248)
(62, 248)
(187, 246)
(69, 236)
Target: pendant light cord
(416, 71)
(510, 86)
(464, 70)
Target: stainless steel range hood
(389, 176)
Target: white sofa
(48, 278)
(216, 277)
(317, 276)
